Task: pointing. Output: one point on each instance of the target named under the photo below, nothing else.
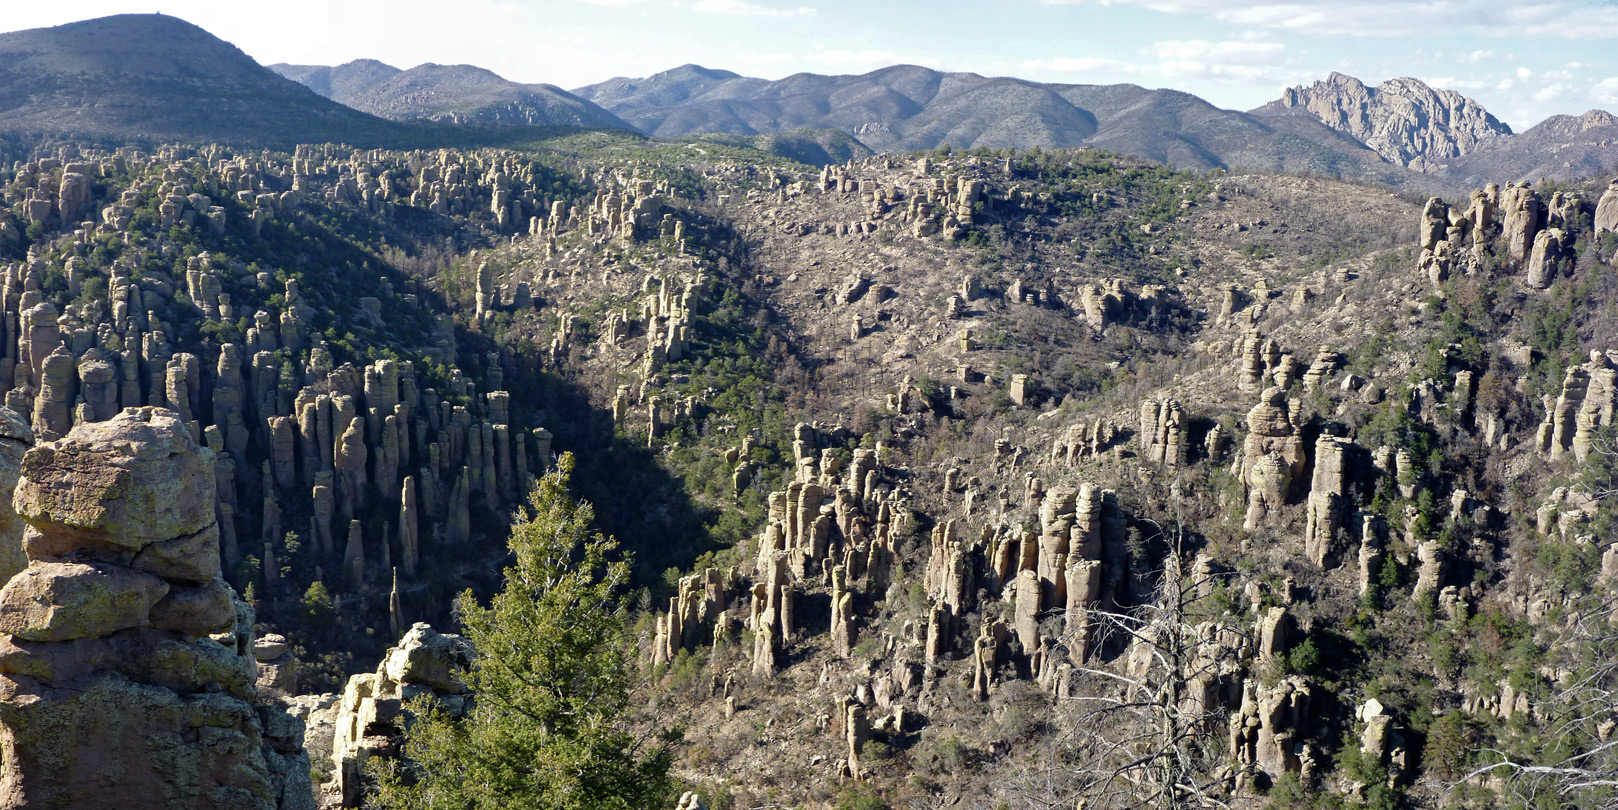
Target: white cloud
(1534, 19)
(1475, 57)
(1249, 62)
(846, 61)
(1452, 83)
(1229, 51)
(1076, 64)
(770, 59)
(1605, 92)
(611, 3)
(742, 8)
(1550, 92)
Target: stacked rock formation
(274, 393)
(1326, 508)
(1537, 235)
(1606, 218)
(1163, 431)
(15, 439)
(698, 605)
(1258, 358)
(1272, 456)
(1584, 408)
(370, 719)
(127, 668)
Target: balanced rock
(370, 719)
(126, 664)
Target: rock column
(126, 669)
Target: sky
(1523, 60)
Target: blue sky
(1523, 61)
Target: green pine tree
(552, 684)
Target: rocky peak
(1597, 118)
(1406, 121)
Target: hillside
(966, 478)
(921, 459)
(1561, 147)
(456, 94)
(154, 77)
(339, 81)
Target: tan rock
(60, 601)
(1325, 505)
(15, 439)
(196, 611)
(1606, 219)
(129, 483)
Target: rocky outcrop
(1272, 455)
(15, 439)
(1326, 505)
(1380, 741)
(371, 718)
(1163, 429)
(127, 668)
(1585, 407)
(1264, 733)
(1606, 219)
(1524, 216)
(1552, 247)
(1404, 120)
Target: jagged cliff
(126, 674)
(1403, 119)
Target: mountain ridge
(909, 108)
(1338, 125)
(154, 76)
(1403, 119)
(459, 94)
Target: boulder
(51, 601)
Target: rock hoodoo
(371, 717)
(126, 665)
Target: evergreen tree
(551, 684)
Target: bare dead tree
(1578, 727)
(1148, 736)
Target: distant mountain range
(1337, 126)
(907, 108)
(156, 77)
(1443, 132)
(458, 94)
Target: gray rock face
(371, 716)
(126, 665)
(15, 439)
(1607, 210)
(1404, 120)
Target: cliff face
(126, 668)
(1404, 120)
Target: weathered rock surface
(370, 719)
(15, 439)
(1404, 120)
(126, 671)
